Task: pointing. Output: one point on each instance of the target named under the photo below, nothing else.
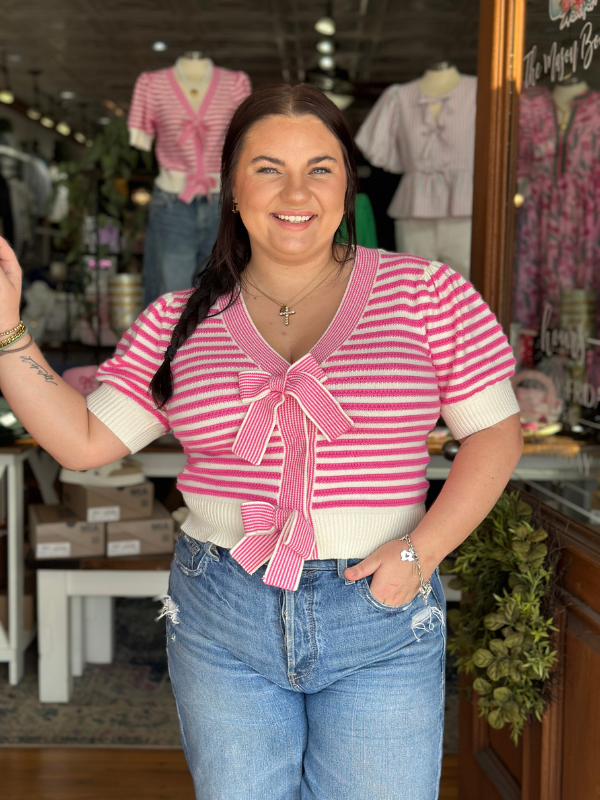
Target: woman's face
(290, 186)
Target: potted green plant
(501, 633)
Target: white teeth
(293, 219)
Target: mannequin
(439, 79)
(425, 130)
(563, 95)
(193, 75)
(187, 108)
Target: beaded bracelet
(20, 331)
(12, 330)
(14, 338)
(411, 555)
(17, 349)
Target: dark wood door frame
(499, 71)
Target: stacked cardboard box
(99, 520)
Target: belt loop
(341, 566)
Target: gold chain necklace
(285, 308)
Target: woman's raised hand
(10, 287)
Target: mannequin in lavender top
(447, 238)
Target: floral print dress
(558, 225)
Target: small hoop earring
(235, 208)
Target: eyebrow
(280, 163)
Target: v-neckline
(352, 305)
(183, 98)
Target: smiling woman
(306, 637)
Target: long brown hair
(231, 252)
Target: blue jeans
(179, 235)
(319, 694)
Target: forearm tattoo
(39, 369)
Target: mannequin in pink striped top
(305, 631)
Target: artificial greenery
(501, 632)
(98, 186)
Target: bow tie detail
(264, 393)
(285, 537)
(194, 126)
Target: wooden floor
(94, 774)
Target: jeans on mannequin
(447, 239)
(178, 237)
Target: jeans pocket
(192, 556)
(364, 585)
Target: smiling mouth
(294, 219)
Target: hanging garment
(178, 237)
(366, 232)
(6, 214)
(22, 207)
(435, 155)
(447, 240)
(558, 225)
(36, 175)
(189, 142)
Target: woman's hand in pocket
(393, 583)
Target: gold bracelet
(12, 330)
(21, 331)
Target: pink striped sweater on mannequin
(324, 458)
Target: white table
(14, 641)
(73, 623)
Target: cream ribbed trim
(491, 405)
(352, 533)
(133, 425)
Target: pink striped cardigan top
(189, 142)
(324, 458)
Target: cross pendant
(284, 311)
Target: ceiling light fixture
(79, 137)
(327, 62)
(67, 95)
(47, 122)
(34, 111)
(63, 128)
(325, 26)
(159, 47)
(326, 46)
(6, 95)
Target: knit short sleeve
(141, 119)
(241, 89)
(124, 402)
(378, 137)
(472, 358)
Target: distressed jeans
(319, 694)
(178, 237)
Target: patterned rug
(128, 703)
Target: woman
(305, 617)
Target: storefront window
(556, 300)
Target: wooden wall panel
(581, 735)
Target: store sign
(569, 11)
(560, 60)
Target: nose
(296, 190)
